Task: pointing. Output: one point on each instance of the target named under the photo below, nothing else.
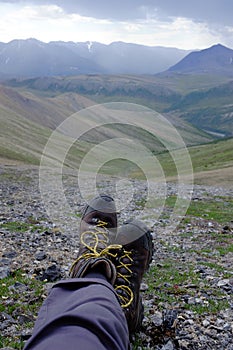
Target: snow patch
(89, 45)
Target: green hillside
(212, 163)
(27, 121)
(215, 155)
(187, 83)
(105, 88)
(210, 109)
(28, 118)
(21, 139)
(204, 100)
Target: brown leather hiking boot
(131, 263)
(97, 231)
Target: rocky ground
(187, 291)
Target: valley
(159, 141)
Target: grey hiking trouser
(80, 313)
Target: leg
(85, 312)
(80, 313)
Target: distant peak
(219, 47)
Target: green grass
(13, 154)
(122, 168)
(15, 226)
(11, 343)
(170, 283)
(18, 226)
(215, 155)
(225, 249)
(15, 301)
(211, 156)
(219, 209)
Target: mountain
(46, 111)
(205, 103)
(217, 59)
(104, 87)
(127, 58)
(208, 109)
(26, 128)
(28, 117)
(33, 58)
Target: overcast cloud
(185, 24)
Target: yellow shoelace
(128, 296)
(110, 251)
(93, 245)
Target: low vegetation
(25, 295)
(169, 281)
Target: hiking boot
(131, 263)
(97, 230)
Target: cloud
(180, 32)
(210, 11)
(101, 9)
(183, 24)
(49, 23)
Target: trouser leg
(80, 313)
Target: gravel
(45, 250)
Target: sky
(185, 24)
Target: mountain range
(197, 89)
(33, 58)
(43, 84)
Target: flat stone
(205, 323)
(4, 272)
(223, 283)
(40, 255)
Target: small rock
(5, 261)
(18, 286)
(9, 255)
(47, 233)
(144, 287)
(40, 255)
(4, 272)
(168, 346)
(24, 319)
(52, 273)
(5, 320)
(191, 301)
(223, 283)
(26, 334)
(205, 323)
(189, 322)
(157, 319)
(227, 327)
(226, 229)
